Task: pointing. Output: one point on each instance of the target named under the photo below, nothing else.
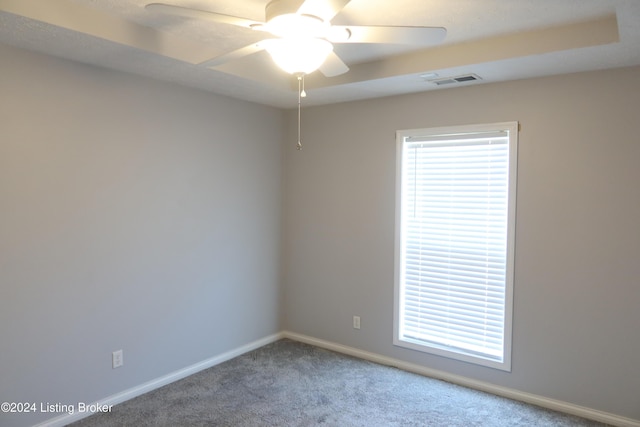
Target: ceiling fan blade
(238, 53)
(325, 9)
(333, 66)
(187, 12)
(389, 34)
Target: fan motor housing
(281, 7)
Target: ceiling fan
(299, 36)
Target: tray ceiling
(497, 40)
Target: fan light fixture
(304, 36)
(300, 48)
(298, 55)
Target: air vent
(458, 79)
(467, 78)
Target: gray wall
(134, 215)
(577, 278)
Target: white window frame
(504, 361)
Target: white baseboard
(123, 396)
(556, 405)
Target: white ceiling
(496, 39)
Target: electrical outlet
(117, 359)
(356, 322)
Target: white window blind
(454, 255)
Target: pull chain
(301, 94)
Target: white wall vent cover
(458, 79)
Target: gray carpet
(293, 384)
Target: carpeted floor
(293, 384)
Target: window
(455, 217)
